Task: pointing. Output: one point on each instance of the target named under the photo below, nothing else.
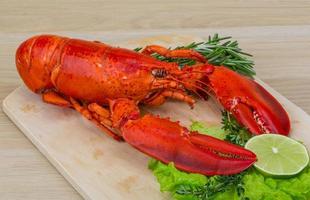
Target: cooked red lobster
(106, 84)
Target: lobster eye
(159, 73)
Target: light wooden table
(24, 172)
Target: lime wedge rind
(287, 164)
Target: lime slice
(278, 155)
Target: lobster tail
(36, 58)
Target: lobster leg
(81, 109)
(101, 114)
(161, 97)
(94, 112)
(53, 97)
(88, 115)
(161, 84)
(177, 53)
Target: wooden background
(24, 172)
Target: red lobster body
(87, 70)
(105, 84)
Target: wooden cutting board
(99, 167)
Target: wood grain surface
(284, 62)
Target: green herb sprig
(213, 187)
(236, 133)
(219, 51)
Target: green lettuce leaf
(258, 187)
(170, 178)
(212, 130)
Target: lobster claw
(189, 151)
(249, 102)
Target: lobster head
(35, 60)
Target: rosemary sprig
(137, 49)
(219, 51)
(235, 132)
(213, 187)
